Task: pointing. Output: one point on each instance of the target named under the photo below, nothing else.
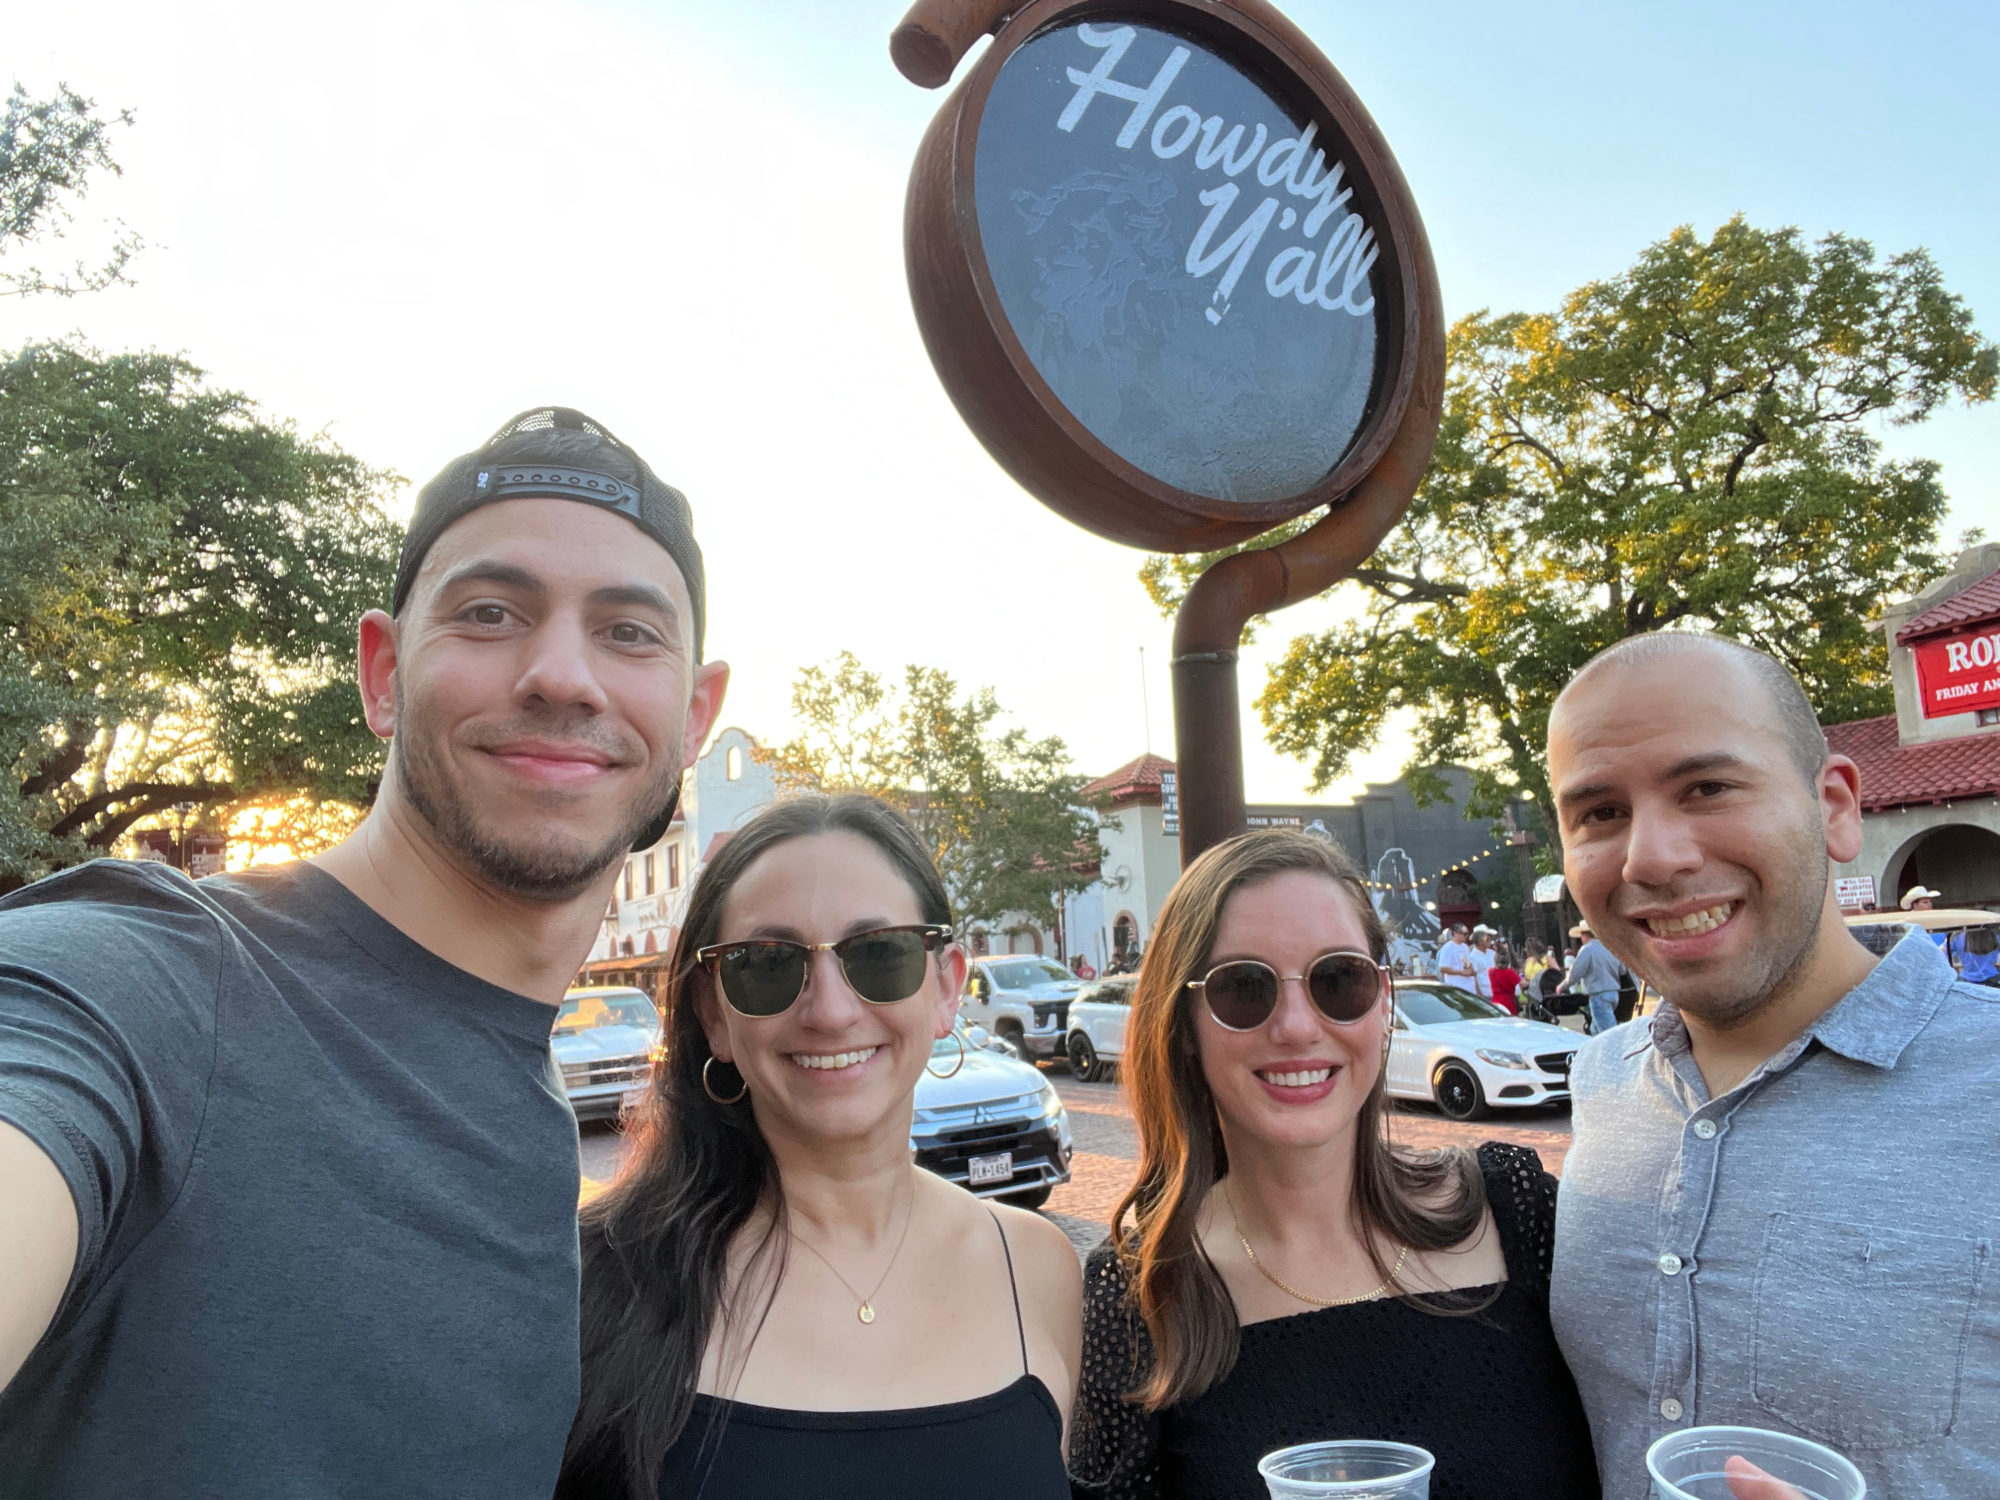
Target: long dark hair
(655, 1243)
(1175, 1287)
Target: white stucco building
(724, 786)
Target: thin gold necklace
(866, 1311)
(1291, 1291)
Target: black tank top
(1003, 1446)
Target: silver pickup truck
(1022, 998)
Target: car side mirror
(977, 1036)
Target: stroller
(1540, 1002)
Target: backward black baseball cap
(556, 452)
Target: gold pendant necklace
(1290, 1291)
(866, 1311)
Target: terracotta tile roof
(1897, 775)
(1135, 779)
(1969, 606)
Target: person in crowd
(1504, 979)
(1923, 898)
(1548, 981)
(1482, 961)
(1596, 974)
(1454, 959)
(1536, 961)
(1973, 953)
(1780, 1204)
(776, 1299)
(287, 1189)
(1279, 1271)
(1920, 898)
(1080, 967)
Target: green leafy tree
(179, 581)
(179, 577)
(49, 148)
(999, 809)
(1689, 444)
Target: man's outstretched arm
(38, 1233)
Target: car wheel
(1033, 1198)
(1010, 1032)
(1458, 1093)
(1083, 1058)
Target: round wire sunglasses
(762, 977)
(1243, 993)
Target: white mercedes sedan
(1467, 1055)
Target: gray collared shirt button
(1670, 1264)
(1705, 1129)
(1670, 1409)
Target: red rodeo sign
(1959, 673)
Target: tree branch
(1416, 589)
(157, 796)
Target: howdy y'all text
(1328, 275)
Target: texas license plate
(987, 1169)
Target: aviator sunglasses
(761, 977)
(1242, 994)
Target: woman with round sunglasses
(1279, 1273)
(776, 1300)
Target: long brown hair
(1175, 1286)
(656, 1242)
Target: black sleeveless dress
(1488, 1394)
(1002, 1446)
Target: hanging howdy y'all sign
(1328, 278)
(1199, 276)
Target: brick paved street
(1107, 1148)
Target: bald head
(1765, 678)
(1701, 816)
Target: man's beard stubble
(549, 873)
(1792, 933)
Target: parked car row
(1448, 1046)
(993, 1125)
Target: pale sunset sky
(403, 222)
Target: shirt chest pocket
(1861, 1331)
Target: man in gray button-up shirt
(1782, 1203)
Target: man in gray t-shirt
(1780, 1209)
(287, 1185)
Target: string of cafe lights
(1487, 853)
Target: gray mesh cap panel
(555, 452)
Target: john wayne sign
(1166, 267)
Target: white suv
(1097, 1027)
(1021, 998)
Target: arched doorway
(1124, 935)
(1458, 899)
(1023, 940)
(1959, 859)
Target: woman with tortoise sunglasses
(1281, 1271)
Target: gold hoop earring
(957, 1037)
(743, 1084)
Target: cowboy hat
(1918, 893)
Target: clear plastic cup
(1687, 1465)
(1348, 1471)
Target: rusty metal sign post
(1170, 274)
